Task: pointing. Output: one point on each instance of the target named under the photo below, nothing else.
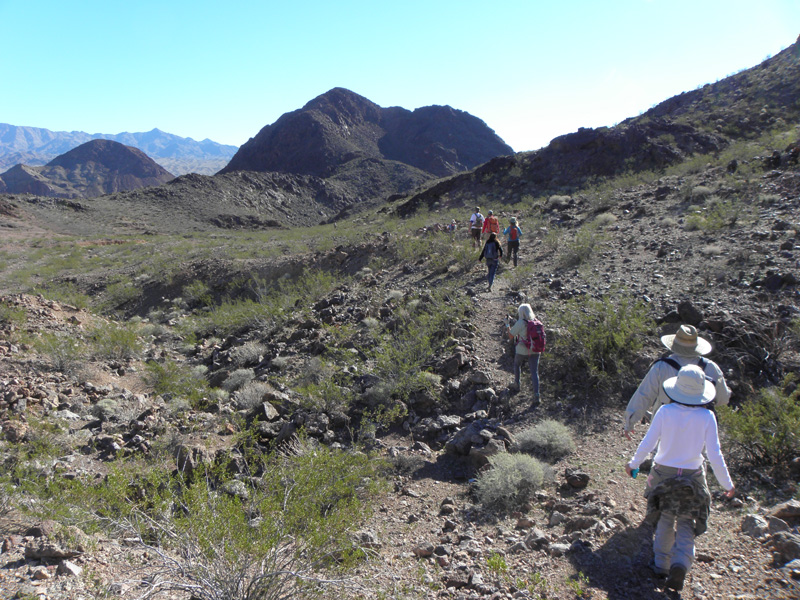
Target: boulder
(755, 526)
(787, 511)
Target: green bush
(510, 482)
(601, 335)
(12, 315)
(64, 352)
(549, 439)
(115, 342)
(286, 533)
(237, 379)
(177, 380)
(766, 429)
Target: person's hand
(731, 492)
(628, 470)
(628, 434)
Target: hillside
(92, 169)
(35, 146)
(340, 126)
(184, 406)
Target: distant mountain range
(34, 146)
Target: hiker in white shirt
(677, 490)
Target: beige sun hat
(686, 342)
(690, 386)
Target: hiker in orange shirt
(491, 224)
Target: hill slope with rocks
(189, 355)
(92, 169)
(35, 146)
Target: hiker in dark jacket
(492, 251)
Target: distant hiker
(491, 224)
(678, 499)
(529, 335)
(512, 233)
(476, 226)
(687, 348)
(492, 251)
(451, 228)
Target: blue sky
(532, 70)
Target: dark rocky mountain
(35, 146)
(340, 126)
(704, 121)
(92, 169)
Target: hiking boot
(536, 401)
(513, 388)
(677, 573)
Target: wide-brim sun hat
(690, 386)
(686, 342)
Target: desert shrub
(115, 341)
(12, 315)
(105, 409)
(237, 379)
(581, 248)
(694, 222)
(197, 293)
(250, 395)
(605, 219)
(557, 202)
(283, 535)
(701, 193)
(549, 439)
(177, 380)
(766, 428)
(509, 483)
(65, 293)
(247, 354)
(64, 352)
(519, 277)
(118, 294)
(602, 335)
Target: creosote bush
(549, 440)
(284, 534)
(510, 482)
(766, 428)
(604, 333)
(176, 380)
(115, 341)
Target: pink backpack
(535, 339)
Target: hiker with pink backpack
(528, 332)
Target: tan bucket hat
(690, 386)
(686, 342)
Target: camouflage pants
(680, 501)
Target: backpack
(535, 338)
(701, 362)
(490, 252)
(513, 234)
(479, 220)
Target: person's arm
(723, 391)
(715, 458)
(480, 258)
(648, 443)
(643, 399)
(499, 249)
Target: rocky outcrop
(340, 126)
(92, 169)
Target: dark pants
(533, 363)
(492, 264)
(513, 250)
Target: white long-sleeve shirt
(650, 394)
(681, 433)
